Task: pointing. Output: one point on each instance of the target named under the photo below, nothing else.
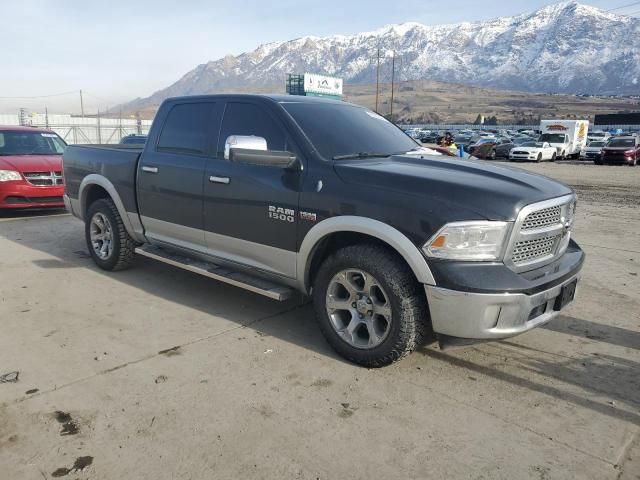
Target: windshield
(622, 142)
(337, 130)
(521, 140)
(532, 144)
(30, 143)
(552, 137)
(596, 144)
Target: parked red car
(30, 168)
(621, 150)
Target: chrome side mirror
(243, 142)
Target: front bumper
(521, 156)
(490, 316)
(20, 194)
(617, 159)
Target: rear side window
(249, 119)
(185, 130)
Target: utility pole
(81, 105)
(393, 76)
(377, 59)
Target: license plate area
(567, 294)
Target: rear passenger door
(238, 198)
(171, 172)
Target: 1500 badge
(282, 214)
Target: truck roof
(17, 128)
(279, 98)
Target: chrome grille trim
(44, 179)
(540, 234)
(543, 218)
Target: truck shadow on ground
(606, 384)
(65, 248)
(595, 331)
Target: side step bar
(222, 274)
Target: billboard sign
(321, 84)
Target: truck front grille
(542, 218)
(528, 250)
(541, 233)
(43, 179)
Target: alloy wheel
(101, 235)
(359, 309)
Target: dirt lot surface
(156, 373)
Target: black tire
(409, 323)
(553, 157)
(539, 159)
(123, 246)
(563, 156)
(492, 155)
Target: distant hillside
(567, 48)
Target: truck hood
(31, 163)
(491, 191)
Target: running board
(222, 274)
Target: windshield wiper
(350, 156)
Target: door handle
(150, 169)
(214, 179)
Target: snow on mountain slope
(567, 48)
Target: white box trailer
(569, 137)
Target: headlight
(476, 241)
(8, 175)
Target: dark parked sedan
(621, 150)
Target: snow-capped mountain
(567, 47)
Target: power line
(623, 6)
(41, 96)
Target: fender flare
(95, 179)
(368, 226)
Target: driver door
(240, 199)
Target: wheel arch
(94, 187)
(314, 245)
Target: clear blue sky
(120, 49)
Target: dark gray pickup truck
(277, 194)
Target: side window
(249, 119)
(185, 129)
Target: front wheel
(109, 243)
(539, 159)
(369, 306)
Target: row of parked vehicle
(556, 139)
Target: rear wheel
(553, 157)
(109, 243)
(369, 306)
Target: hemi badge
(311, 217)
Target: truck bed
(118, 163)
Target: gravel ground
(158, 373)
